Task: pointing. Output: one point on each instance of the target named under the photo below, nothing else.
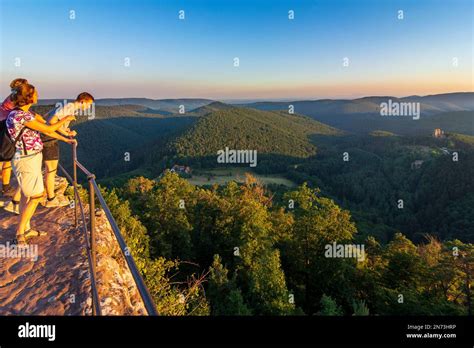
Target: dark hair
(17, 82)
(23, 95)
(84, 96)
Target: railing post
(94, 191)
(76, 194)
(92, 233)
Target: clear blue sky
(279, 58)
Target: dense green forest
(255, 249)
(238, 128)
(231, 251)
(437, 197)
(119, 131)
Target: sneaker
(12, 208)
(58, 201)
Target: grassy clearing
(221, 176)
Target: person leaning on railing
(51, 147)
(28, 157)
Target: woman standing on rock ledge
(5, 167)
(22, 124)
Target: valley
(332, 172)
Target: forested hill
(452, 112)
(209, 108)
(407, 199)
(242, 128)
(164, 105)
(116, 111)
(430, 104)
(117, 130)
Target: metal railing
(90, 236)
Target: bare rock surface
(51, 277)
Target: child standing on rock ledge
(51, 146)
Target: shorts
(51, 151)
(27, 170)
(2, 127)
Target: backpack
(7, 145)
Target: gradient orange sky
(279, 58)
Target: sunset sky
(279, 58)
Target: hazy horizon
(250, 100)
